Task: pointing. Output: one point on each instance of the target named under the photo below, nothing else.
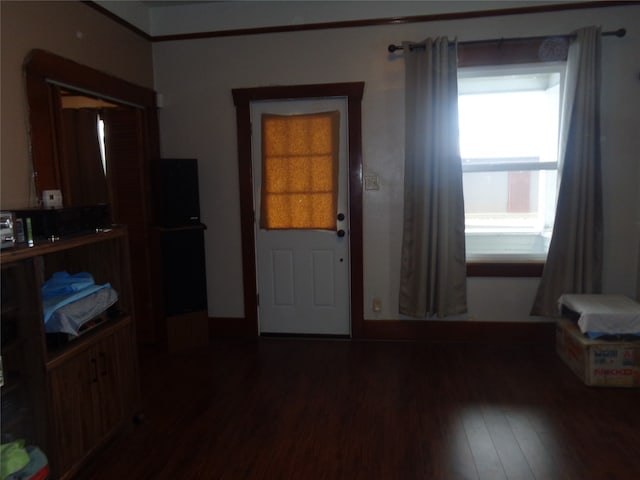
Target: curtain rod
(621, 32)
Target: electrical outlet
(377, 305)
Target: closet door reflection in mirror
(84, 153)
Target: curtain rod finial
(621, 32)
(392, 48)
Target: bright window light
(101, 142)
(509, 122)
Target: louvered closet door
(129, 181)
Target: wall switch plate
(371, 182)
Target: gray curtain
(433, 265)
(574, 261)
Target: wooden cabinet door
(86, 401)
(70, 387)
(127, 371)
(106, 392)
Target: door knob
(340, 233)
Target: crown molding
(363, 23)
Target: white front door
(303, 274)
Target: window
(509, 124)
(300, 171)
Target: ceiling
(170, 17)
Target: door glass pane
(300, 171)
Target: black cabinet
(185, 278)
(176, 194)
(181, 238)
(184, 287)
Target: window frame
(507, 52)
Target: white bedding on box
(604, 314)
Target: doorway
(351, 94)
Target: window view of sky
(512, 124)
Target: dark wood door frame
(242, 98)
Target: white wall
(198, 120)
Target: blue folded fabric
(61, 283)
(62, 289)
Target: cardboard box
(598, 363)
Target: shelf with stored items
(21, 355)
(81, 389)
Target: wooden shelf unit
(70, 399)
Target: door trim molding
(242, 98)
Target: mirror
(67, 103)
(66, 159)
(83, 140)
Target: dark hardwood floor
(331, 409)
